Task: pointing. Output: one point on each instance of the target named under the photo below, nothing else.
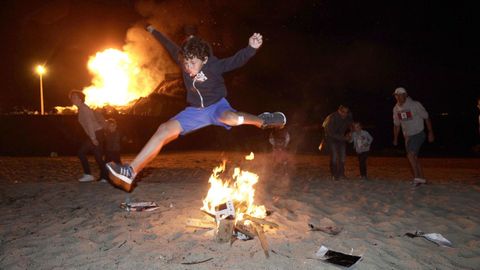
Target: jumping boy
(206, 91)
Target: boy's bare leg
(166, 133)
(232, 119)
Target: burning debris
(231, 203)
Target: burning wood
(224, 230)
(231, 203)
(261, 221)
(261, 237)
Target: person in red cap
(411, 117)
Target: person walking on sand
(206, 91)
(93, 128)
(336, 125)
(410, 116)
(362, 141)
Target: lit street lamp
(40, 71)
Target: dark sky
(316, 54)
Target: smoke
(152, 59)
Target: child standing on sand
(361, 142)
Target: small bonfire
(230, 200)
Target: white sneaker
(419, 181)
(86, 178)
(103, 180)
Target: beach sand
(51, 221)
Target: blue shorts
(193, 118)
(414, 142)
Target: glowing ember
(250, 157)
(117, 79)
(238, 189)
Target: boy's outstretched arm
(171, 47)
(242, 56)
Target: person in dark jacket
(206, 91)
(336, 126)
(112, 142)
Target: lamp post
(40, 71)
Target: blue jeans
(97, 151)
(337, 151)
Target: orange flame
(117, 80)
(239, 189)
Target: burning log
(262, 238)
(224, 231)
(245, 229)
(261, 221)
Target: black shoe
(121, 176)
(273, 120)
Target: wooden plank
(260, 221)
(224, 231)
(247, 230)
(198, 223)
(262, 238)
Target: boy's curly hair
(194, 46)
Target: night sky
(316, 54)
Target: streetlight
(40, 69)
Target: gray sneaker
(121, 176)
(273, 120)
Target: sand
(51, 221)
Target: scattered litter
(139, 206)
(433, 237)
(337, 258)
(224, 210)
(326, 225)
(241, 236)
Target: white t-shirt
(410, 116)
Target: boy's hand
(255, 41)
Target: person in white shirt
(411, 117)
